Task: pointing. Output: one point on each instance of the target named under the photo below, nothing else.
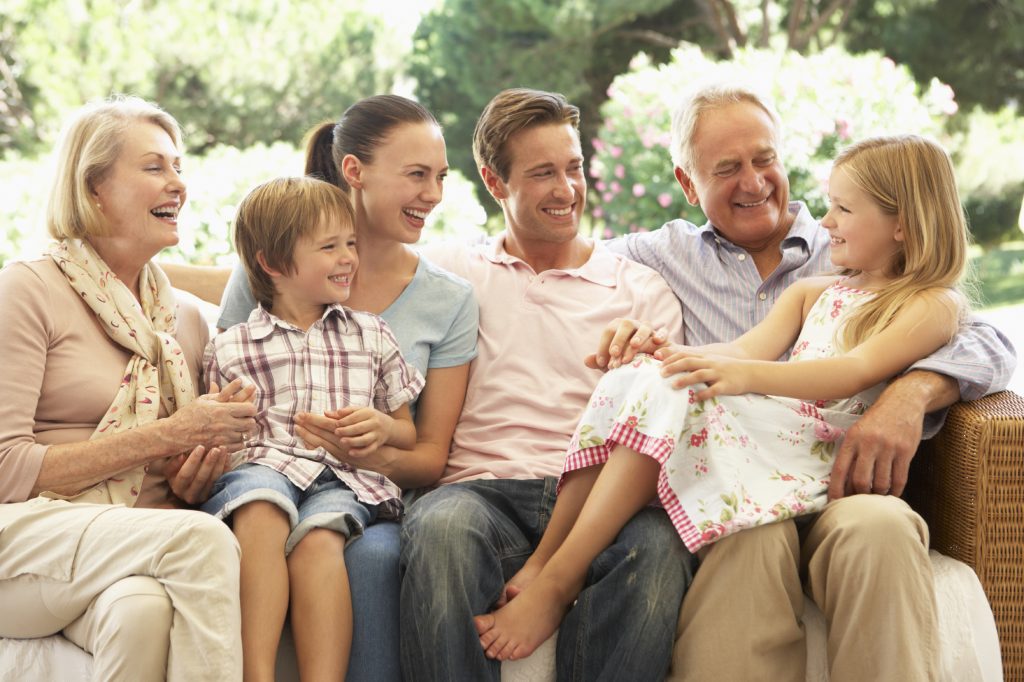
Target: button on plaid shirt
(347, 358)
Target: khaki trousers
(151, 594)
(864, 562)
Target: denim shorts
(326, 503)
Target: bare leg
(626, 484)
(321, 605)
(261, 529)
(571, 497)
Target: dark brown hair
(362, 128)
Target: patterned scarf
(156, 374)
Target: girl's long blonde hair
(912, 178)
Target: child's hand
(362, 429)
(723, 375)
(235, 392)
(191, 476)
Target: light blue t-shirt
(435, 318)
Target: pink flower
(631, 421)
(600, 186)
(664, 199)
(620, 171)
(608, 234)
(598, 145)
(825, 432)
(695, 441)
(597, 213)
(639, 190)
(615, 151)
(615, 187)
(607, 197)
(844, 128)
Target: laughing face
(142, 193)
(402, 184)
(863, 236)
(323, 266)
(546, 190)
(739, 181)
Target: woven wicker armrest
(968, 484)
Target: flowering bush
(826, 101)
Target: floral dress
(730, 462)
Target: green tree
(234, 72)
(466, 51)
(977, 46)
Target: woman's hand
(191, 476)
(223, 417)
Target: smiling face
(141, 194)
(738, 180)
(403, 183)
(323, 265)
(864, 237)
(546, 191)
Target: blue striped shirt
(722, 296)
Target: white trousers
(152, 594)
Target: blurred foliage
(234, 72)
(466, 51)
(977, 46)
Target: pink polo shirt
(528, 384)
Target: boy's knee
(319, 543)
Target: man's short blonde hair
(274, 216)
(90, 144)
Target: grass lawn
(1001, 275)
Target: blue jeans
(372, 564)
(461, 542)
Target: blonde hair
(912, 178)
(706, 98)
(90, 144)
(510, 112)
(274, 216)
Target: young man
(293, 508)
(865, 558)
(545, 294)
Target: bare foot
(519, 582)
(518, 628)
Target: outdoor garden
(246, 79)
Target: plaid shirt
(346, 358)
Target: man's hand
(622, 340)
(876, 453)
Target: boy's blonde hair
(90, 143)
(912, 178)
(274, 216)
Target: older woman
(101, 433)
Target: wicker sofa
(968, 483)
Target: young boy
(291, 508)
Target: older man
(863, 559)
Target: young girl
(722, 464)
